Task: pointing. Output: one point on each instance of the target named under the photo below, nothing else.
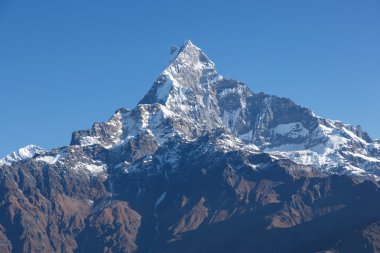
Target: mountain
(190, 99)
(201, 164)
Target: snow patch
(48, 159)
(292, 130)
(89, 140)
(236, 90)
(163, 91)
(92, 168)
(367, 158)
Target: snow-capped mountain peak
(190, 99)
(190, 71)
(23, 153)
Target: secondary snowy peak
(21, 154)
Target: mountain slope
(201, 156)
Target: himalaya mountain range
(201, 164)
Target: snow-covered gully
(155, 212)
(156, 217)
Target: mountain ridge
(193, 98)
(201, 164)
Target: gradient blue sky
(66, 64)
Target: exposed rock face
(202, 164)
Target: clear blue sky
(66, 64)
